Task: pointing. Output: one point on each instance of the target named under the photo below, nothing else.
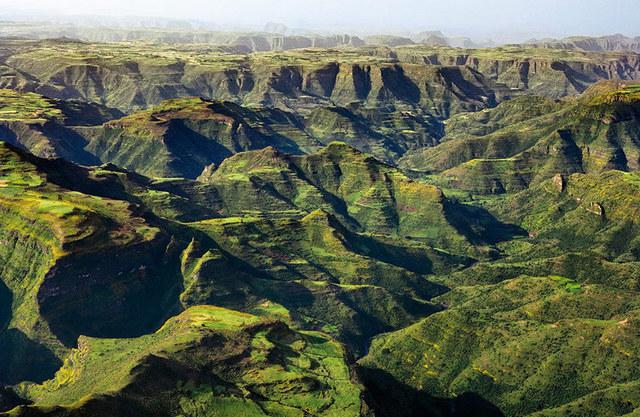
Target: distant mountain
(388, 40)
(430, 38)
(190, 229)
(433, 38)
(592, 44)
(275, 38)
(279, 28)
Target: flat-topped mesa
(338, 149)
(35, 109)
(616, 42)
(267, 158)
(180, 137)
(155, 121)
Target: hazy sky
(559, 17)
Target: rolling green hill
(560, 344)
(112, 254)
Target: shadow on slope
(392, 398)
(5, 305)
(479, 225)
(9, 399)
(23, 359)
(118, 292)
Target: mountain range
(406, 230)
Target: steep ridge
(113, 254)
(239, 42)
(58, 244)
(179, 137)
(588, 43)
(382, 201)
(39, 124)
(522, 300)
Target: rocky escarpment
(205, 358)
(180, 137)
(537, 73)
(56, 243)
(24, 261)
(242, 42)
(441, 81)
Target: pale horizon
(496, 19)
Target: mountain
(180, 137)
(388, 40)
(204, 358)
(305, 245)
(529, 139)
(274, 38)
(405, 231)
(433, 38)
(593, 44)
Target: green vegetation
(359, 231)
(525, 141)
(286, 373)
(526, 344)
(28, 108)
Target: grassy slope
(383, 101)
(148, 74)
(44, 227)
(304, 267)
(74, 225)
(384, 201)
(525, 344)
(356, 268)
(180, 137)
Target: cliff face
(440, 81)
(180, 137)
(230, 41)
(105, 253)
